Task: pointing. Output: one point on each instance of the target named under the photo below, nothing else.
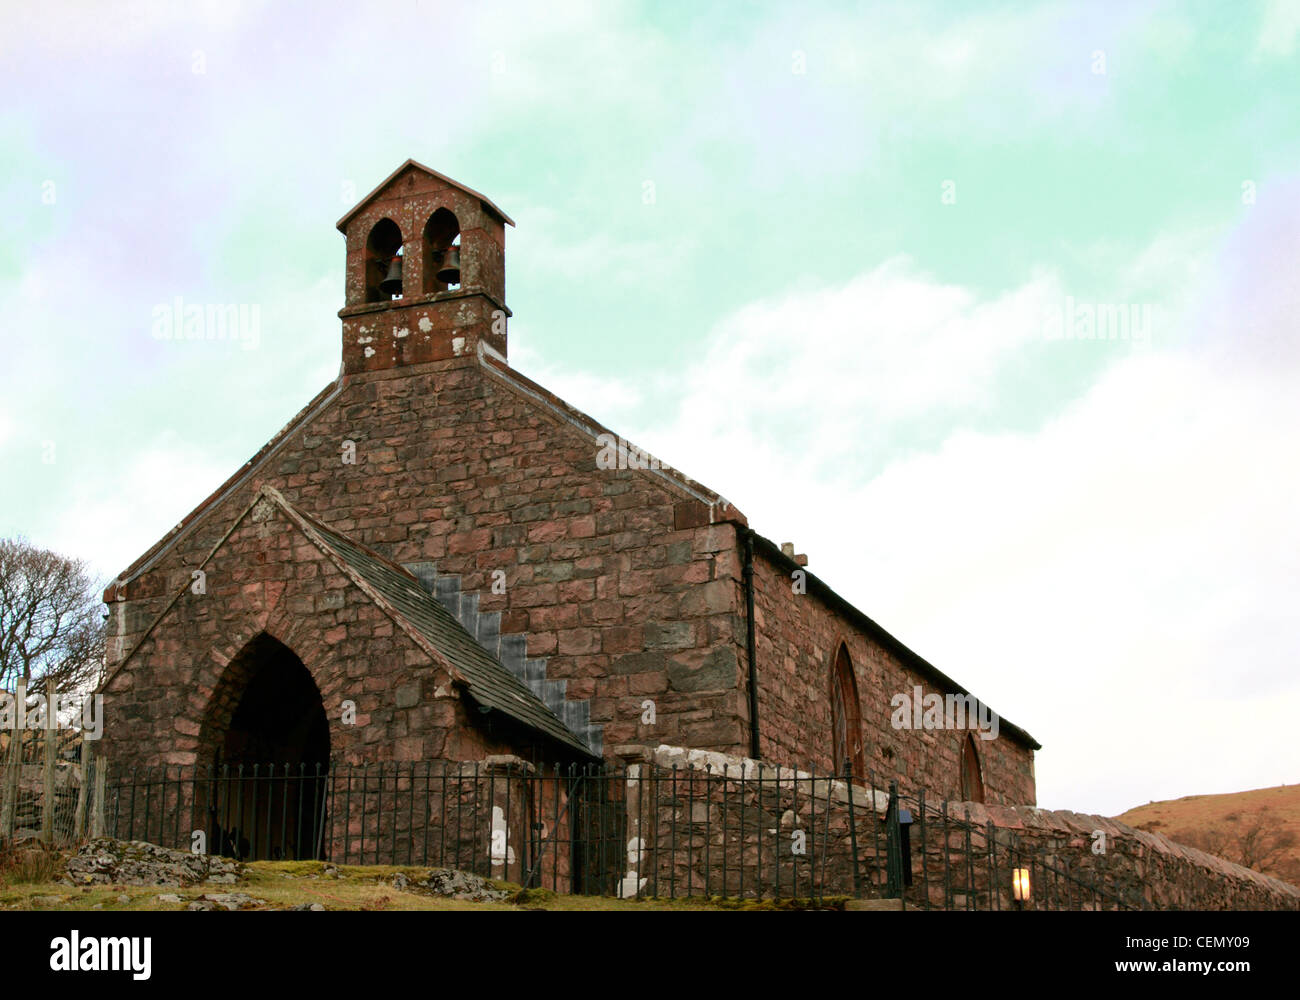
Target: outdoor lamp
(1020, 884)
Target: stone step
(489, 627)
(447, 592)
(425, 572)
(510, 650)
(468, 613)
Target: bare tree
(51, 624)
(1262, 843)
(1259, 841)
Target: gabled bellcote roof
(487, 202)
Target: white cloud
(78, 26)
(1280, 26)
(817, 381)
(572, 259)
(1120, 579)
(113, 516)
(1104, 579)
(604, 398)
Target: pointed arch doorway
(269, 738)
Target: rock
(123, 898)
(232, 900)
(462, 885)
(169, 897)
(46, 900)
(115, 862)
(317, 907)
(400, 881)
(199, 904)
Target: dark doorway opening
(599, 832)
(268, 797)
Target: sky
(845, 264)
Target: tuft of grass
(532, 897)
(28, 881)
(27, 864)
(783, 904)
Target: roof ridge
(582, 421)
(411, 162)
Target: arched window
(382, 245)
(441, 252)
(846, 717)
(972, 780)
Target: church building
(437, 559)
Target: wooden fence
(44, 796)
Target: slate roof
(342, 224)
(488, 681)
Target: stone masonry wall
(169, 706)
(797, 639)
(1165, 874)
(709, 823)
(454, 466)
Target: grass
(283, 884)
(1185, 819)
(25, 864)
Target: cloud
(1104, 578)
(111, 516)
(827, 383)
(1093, 537)
(1118, 577)
(1277, 32)
(77, 26)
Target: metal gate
(599, 832)
(274, 815)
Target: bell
(449, 272)
(392, 283)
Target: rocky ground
(118, 875)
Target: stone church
(438, 559)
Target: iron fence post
(853, 828)
(893, 847)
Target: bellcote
(425, 273)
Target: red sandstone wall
(454, 467)
(706, 823)
(798, 635)
(168, 706)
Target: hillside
(1259, 829)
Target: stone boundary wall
(668, 821)
(1167, 875)
(685, 799)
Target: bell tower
(425, 272)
